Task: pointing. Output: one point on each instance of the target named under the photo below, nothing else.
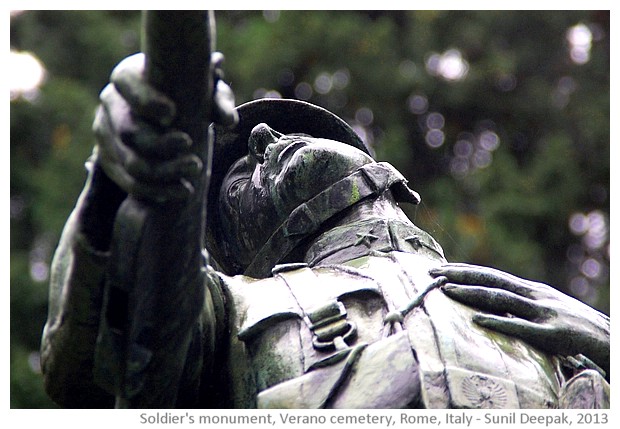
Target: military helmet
(286, 116)
(291, 117)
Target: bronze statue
(316, 291)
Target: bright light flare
(26, 74)
(580, 39)
(450, 65)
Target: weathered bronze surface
(315, 289)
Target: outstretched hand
(534, 312)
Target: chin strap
(371, 179)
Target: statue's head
(269, 170)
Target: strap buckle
(330, 326)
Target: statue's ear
(404, 194)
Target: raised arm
(138, 154)
(76, 294)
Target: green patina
(355, 193)
(359, 262)
(513, 347)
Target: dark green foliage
(544, 120)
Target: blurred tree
(499, 119)
(50, 140)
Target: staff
(151, 280)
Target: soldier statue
(314, 291)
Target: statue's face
(279, 173)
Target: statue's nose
(261, 136)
